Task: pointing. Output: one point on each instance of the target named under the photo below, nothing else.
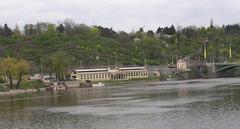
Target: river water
(190, 104)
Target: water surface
(191, 104)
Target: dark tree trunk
(10, 81)
(19, 81)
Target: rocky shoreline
(70, 84)
(18, 91)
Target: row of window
(94, 76)
(107, 76)
(130, 74)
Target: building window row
(94, 76)
(130, 74)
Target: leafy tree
(159, 30)
(29, 29)
(38, 28)
(22, 68)
(106, 32)
(69, 25)
(150, 33)
(8, 68)
(80, 29)
(95, 31)
(169, 31)
(7, 30)
(16, 31)
(60, 64)
(140, 29)
(211, 23)
(190, 31)
(61, 28)
(172, 30)
(51, 28)
(232, 29)
(13, 68)
(1, 31)
(123, 37)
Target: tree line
(90, 46)
(13, 70)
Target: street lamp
(230, 50)
(205, 43)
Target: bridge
(222, 69)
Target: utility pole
(205, 43)
(145, 62)
(116, 61)
(166, 59)
(230, 50)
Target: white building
(110, 74)
(187, 65)
(182, 65)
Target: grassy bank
(25, 85)
(32, 84)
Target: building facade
(188, 65)
(110, 74)
(182, 65)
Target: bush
(3, 88)
(1, 80)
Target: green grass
(32, 84)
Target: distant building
(187, 65)
(182, 65)
(36, 77)
(125, 73)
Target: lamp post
(205, 43)
(230, 50)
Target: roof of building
(132, 68)
(105, 69)
(90, 70)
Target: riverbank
(28, 86)
(18, 91)
(36, 86)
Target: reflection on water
(191, 104)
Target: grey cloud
(122, 14)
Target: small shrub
(3, 88)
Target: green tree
(95, 31)
(22, 68)
(16, 31)
(7, 67)
(13, 68)
(159, 30)
(60, 63)
(51, 28)
(7, 30)
(61, 28)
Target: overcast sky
(125, 15)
